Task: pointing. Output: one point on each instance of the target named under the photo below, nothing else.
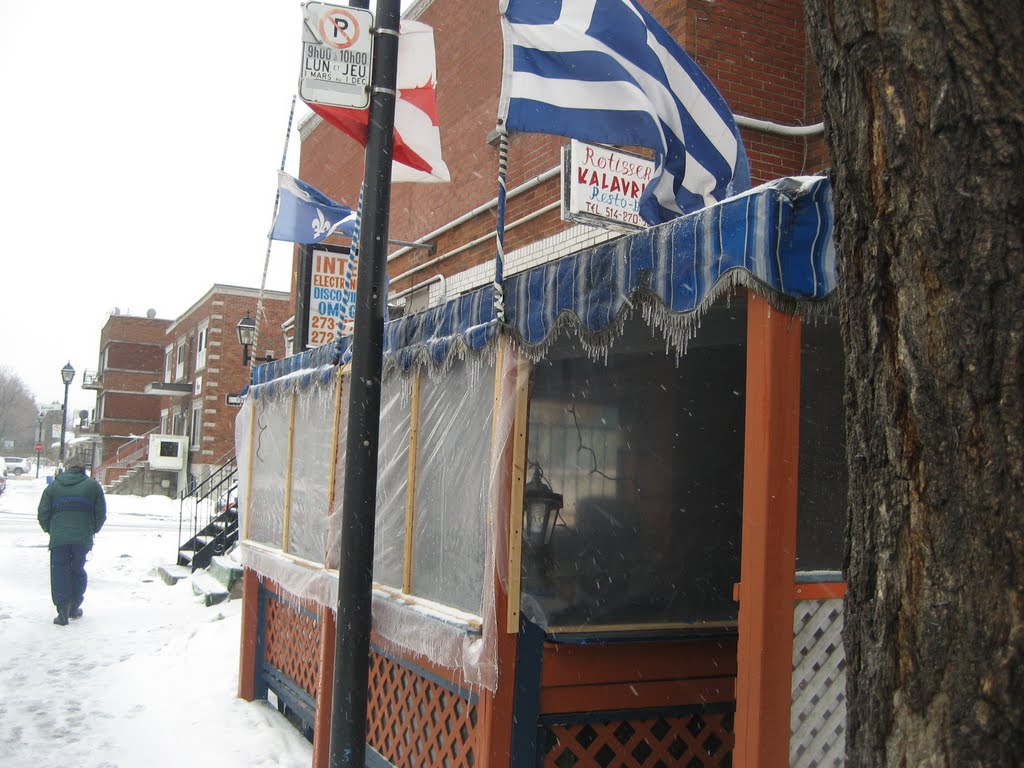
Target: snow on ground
(148, 677)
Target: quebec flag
(605, 71)
(307, 215)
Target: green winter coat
(72, 508)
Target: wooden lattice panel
(291, 638)
(416, 722)
(818, 714)
(697, 740)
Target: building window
(176, 423)
(165, 421)
(202, 337)
(168, 363)
(179, 366)
(197, 423)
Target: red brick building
(754, 52)
(200, 368)
(131, 355)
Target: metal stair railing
(125, 456)
(208, 515)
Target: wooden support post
(518, 473)
(410, 487)
(328, 627)
(286, 532)
(250, 628)
(497, 709)
(768, 562)
(325, 692)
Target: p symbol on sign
(339, 28)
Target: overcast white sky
(141, 143)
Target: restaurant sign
(601, 186)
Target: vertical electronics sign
(601, 186)
(337, 49)
(332, 300)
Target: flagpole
(355, 563)
(270, 241)
(499, 256)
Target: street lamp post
(39, 440)
(67, 373)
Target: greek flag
(307, 215)
(605, 71)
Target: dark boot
(75, 612)
(62, 615)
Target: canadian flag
(417, 150)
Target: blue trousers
(67, 574)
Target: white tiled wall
(571, 240)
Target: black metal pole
(302, 291)
(39, 440)
(355, 567)
(63, 424)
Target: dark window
(647, 452)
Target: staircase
(127, 459)
(208, 520)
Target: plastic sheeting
(312, 456)
(243, 431)
(269, 461)
(448, 614)
(392, 482)
(451, 487)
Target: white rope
(260, 309)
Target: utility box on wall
(167, 452)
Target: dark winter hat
(76, 468)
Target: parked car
(3, 475)
(17, 465)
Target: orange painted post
(768, 561)
(325, 692)
(250, 627)
(496, 709)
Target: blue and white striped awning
(775, 240)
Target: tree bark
(924, 115)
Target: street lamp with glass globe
(67, 373)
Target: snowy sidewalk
(147, 678)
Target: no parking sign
(337, 51)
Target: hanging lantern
(540, 510)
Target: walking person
(72, 510)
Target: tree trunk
(924, 113)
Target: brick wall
(123, 406)
(130, 328)
(133, 356)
